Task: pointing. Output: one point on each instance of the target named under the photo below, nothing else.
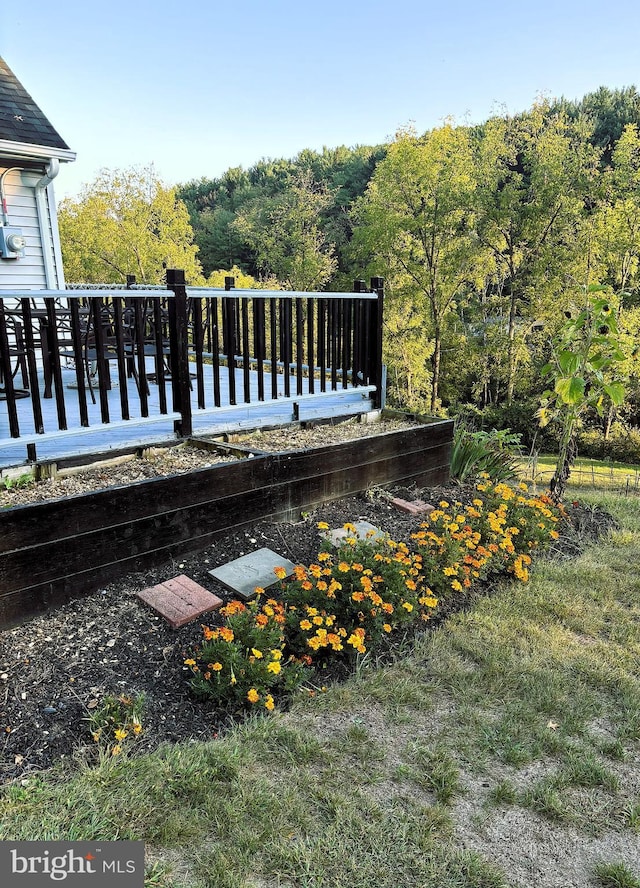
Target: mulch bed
(55, 669)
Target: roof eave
(34, 152)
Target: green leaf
(599, 361)
(570, 389)
(615, 390)
(568, 362)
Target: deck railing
(178, 350)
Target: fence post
(377, 286)
(179, 351)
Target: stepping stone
(413, 507)
(179, 600)
(339, 534)
(255, 569)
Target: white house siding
(27, 272)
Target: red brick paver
(180, 600)
(413, 507)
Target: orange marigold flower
(280, 572)
(307, 585)
(305, 624)
(216, 666)
(343, 567)
(252, 695)
(226, 633)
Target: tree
(286, 235)
(416, 222)
(533, 175)
(584, 353)
(126, 222)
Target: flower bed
(353, 597)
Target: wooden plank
(56, 519)
(47, 546)
(62, 557)
(204, 526)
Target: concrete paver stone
(244, 574)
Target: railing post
(179, 351)
(377, 317)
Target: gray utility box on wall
(12, 242)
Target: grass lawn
(502, 749)
(585, 473)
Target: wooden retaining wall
(53, 551)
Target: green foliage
(416, 219)
(615, 875)
(126, 222)
(346, 603)
(359, 594)
(240, 665)
(117, 720)
(584, 352)
(492, 453)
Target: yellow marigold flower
(387, 627)
(443, 504)
(324, 556)
(275, 666)
(120, 733)
(322, 586)
(322, 525)
(350, 527)
(280, 572)
(252, 695)
(407, 606)
(456, 586)
(410, 584)
(137, 728)
(429, 601)
(276, 654)
(216, 666)
(317, 621)
(256, 653)
(554, 534)
(305, 624)
(343, 567)
(259, 590)
(268, 703)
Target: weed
(615, 875)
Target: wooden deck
(158, 427)
(178, 362)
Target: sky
(197, 86)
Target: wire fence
(599, 476)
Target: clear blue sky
(197, 86)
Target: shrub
(492, 453)
(240, 664)
(354, 596)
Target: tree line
(488, 237)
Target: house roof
(21, 120)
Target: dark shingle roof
(20, 118)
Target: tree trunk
(511, 349)
(611, 414)
(435, 379)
